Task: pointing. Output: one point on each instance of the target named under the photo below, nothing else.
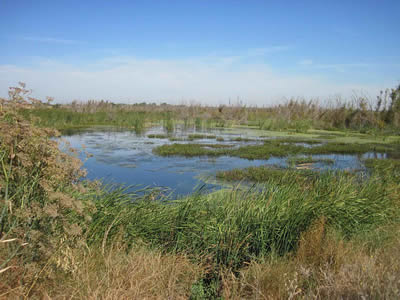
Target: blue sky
(204, 51)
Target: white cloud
(267, 50)
(128, 79)
(50, 40)
(305, 62)
(342, 67)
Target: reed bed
(380, 115)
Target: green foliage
(232, 227)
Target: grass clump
(346, 148)
(197, 136)
(274, 148)
(241, 139)
(266, 174)
(250, 152)
(269, 148)
(309, 160)
(384, 166)
(289, 140)
(176, 139)
(157, 136)
(190, 150)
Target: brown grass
(324, 267)
(138, 274)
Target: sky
(204, 51)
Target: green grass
(64, 118)
(197, 136)
(157, 136)
(232, 227)
(242, 139)
(267, 174)
(275, 147)
(346, 148)
(384, 166)
(250, 152)
(190, 150)
(288, 140)
(176, 139)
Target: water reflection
(121, 156)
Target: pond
(124, 157)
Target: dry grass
(138, 274)
(324, 267)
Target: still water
(122, 156)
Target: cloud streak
(51, 40)
(129, 79)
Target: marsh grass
(293, 161)
(242, 139)
(157, 136)
(265, 174)
(380, 116)
(277, 148)
(233, 226)
(190, 150)
(197, 136)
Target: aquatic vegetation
(241, 139)
(192, 150)
(176, 139)
(382, 163)
(309, 160)
(157, 136)
(344, 148)
(385, 166)
(274, 148)
(197, 136)
(168, 123)
(288, 140)
(267, 174)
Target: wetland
(227, 199)
(187, 159)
